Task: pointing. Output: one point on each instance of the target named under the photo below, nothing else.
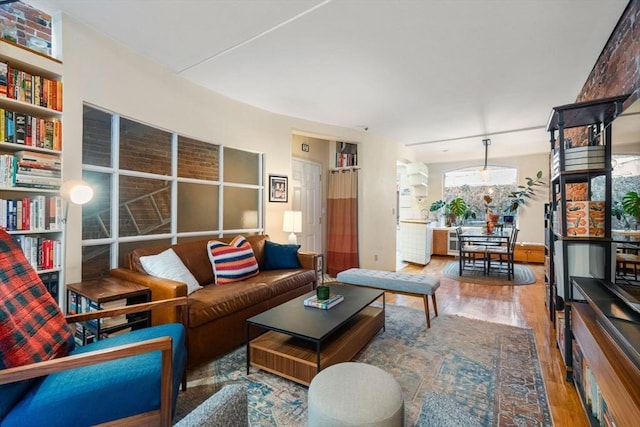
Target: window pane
(96, 215)
(144, 206)
(144, 149)
(197, 159)
(95, 262)
(96, 137)
(197, 207)
(240, 208)
(212, 236)
(472, 187)
(125, 248)
(241, 167)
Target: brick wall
(30, 22)
(617, 70)
(145, 149)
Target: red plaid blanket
(32, 327)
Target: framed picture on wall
(278, 188)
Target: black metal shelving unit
(592, 123)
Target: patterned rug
(522, 275)
(491, 370)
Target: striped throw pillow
(232, 262)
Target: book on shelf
(35, 213)
(30, 88)
(325, 304)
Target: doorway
(306, 196)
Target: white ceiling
(413, 71)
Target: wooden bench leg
(435, 305)
(426, 310)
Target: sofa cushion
(195, 256)
(213, 302)
(32, 327)
(124, 387)
(232, 262)
(278, 256)
(168, 265)
(279, 282)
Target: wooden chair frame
(160, 417)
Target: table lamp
(292, 223)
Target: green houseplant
(631, 205)
(520, 196)
(618, 212)
(454, 209)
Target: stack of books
(36, 170)
(324, 304)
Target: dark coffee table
(300, 341)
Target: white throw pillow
(168, 265)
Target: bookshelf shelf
(108, 292)
(30, 120)
(597, 331)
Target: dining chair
(503, 253)
(469, 253)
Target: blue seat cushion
(105, 391)
(392, 281)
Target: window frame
(173, 179)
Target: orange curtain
(342, 229)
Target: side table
(108, 292)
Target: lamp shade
(77, 192)
(292, 222)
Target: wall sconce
(485, 175)
(292, 223)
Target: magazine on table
(325, 304)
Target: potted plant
(439, 207)
(488, 207)
(522, 194)
(456, 209)
(631, 205)
(618, 212)
(452, 210)
(470, 213)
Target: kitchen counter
(416, 221)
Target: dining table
(481, 238)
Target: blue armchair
(133, 378)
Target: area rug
(522, 275)
(491, 370)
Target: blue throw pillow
(279, 257)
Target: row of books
(81, 304)
(30, 88)
(42, 253)
(30, 170)
(344, 160)
(51, 281)
(24, 129)
(589, 390)
(325, 304)
(35, 213)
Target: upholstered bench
(419, 285)
(355, 394)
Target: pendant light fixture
(484, 172)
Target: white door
(306, 196)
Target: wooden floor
(521, 306)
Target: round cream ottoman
(354, 394)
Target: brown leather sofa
(216, 314)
